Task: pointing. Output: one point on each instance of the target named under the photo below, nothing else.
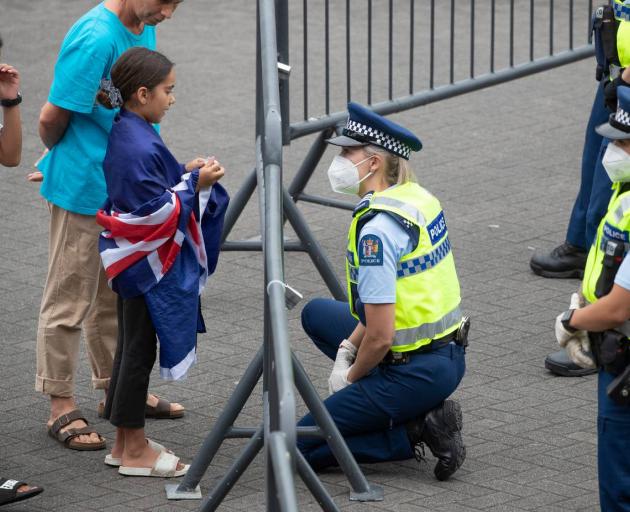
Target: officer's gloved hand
(347, 353)
(562, 334)
(610, 92)
(579, 350)
(338, 379)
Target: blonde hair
(397, 169)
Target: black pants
(135, 356)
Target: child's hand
(197, 163)
(210, 173)
(35, 177)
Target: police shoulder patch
(370, 251)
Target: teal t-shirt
(73, 168)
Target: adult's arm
(11, 134)
(377, 340)
(608, 312)
(53, 121)
(11, 137)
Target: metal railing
(446, 71)
(279, 368)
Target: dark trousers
(613, 450)
(135, 356)
(595, 186)
(371, 413)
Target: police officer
(612, 41)
(606, 286)
(398, 346)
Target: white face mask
(343, 175)
(617, 163)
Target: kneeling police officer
(399, 344)
(597, 334)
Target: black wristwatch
(565, 319)
(12, 103)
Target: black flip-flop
(9, 491)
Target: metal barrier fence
(521, 55)
(279, 368)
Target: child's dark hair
(137, 67)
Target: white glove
(577, 301)
(347, 351)
(338, 379)
(579, 350)
(562, 334)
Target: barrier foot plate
(173, 493)
(374, 494)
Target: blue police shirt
(623, 274)
(382, 243)
(73, 168)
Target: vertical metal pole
(588, 18)
(305, 56)
(411, 42)
(348, 85)
(452, 44)
(492, 31)
(391, 49)
(286, 488)
(551, 24)
(571, 24)
(369, 93)
(531, 30)
(432, 47)
(511, 33)
(282, 38)
(327, 52)
(472, 38)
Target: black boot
(441, 431)
(565, 261)
(560, 364)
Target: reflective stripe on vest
(427, 331)
(623, 209)
(409, 209)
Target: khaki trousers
(76, 297)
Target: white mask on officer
(344, 176)
(617, 163)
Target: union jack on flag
(165, 250)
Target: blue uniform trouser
(613, 450)
(371, 412)
(595, 187)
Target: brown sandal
(162, 410)
(67, 438)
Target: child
(162, 223)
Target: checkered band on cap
(623, 117)
(378, 137)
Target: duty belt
(396, 358)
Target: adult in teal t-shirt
(75, 129)
(73, 168)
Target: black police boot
(565, 261)
(560, 364)
(441, 431)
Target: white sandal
(165, 467)
(117, 461)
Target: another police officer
(606, 286)
(399, 346)
(612, 43)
